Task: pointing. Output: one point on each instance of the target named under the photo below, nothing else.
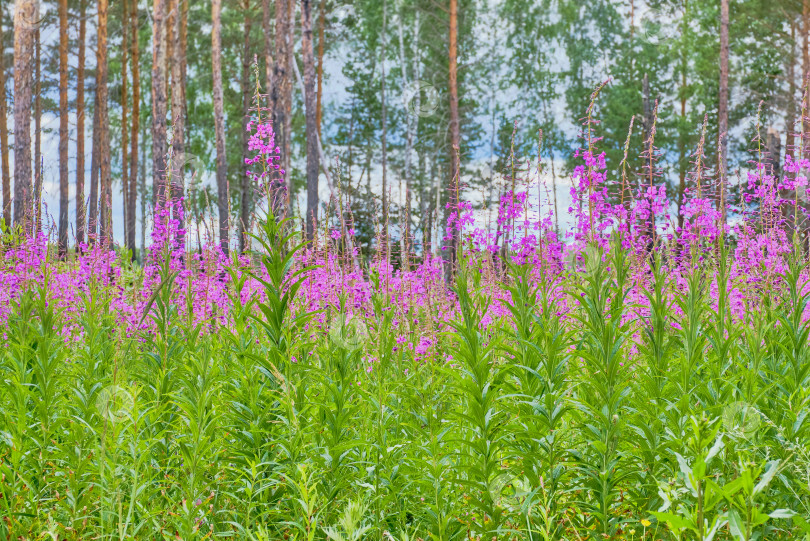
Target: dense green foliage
(576, 417)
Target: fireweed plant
(630, 379)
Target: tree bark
(178, 60)
(26, 15)
(321, 27)
(383, 141)
(183, 41)
(682, 153)
(790, 113)
(143, 173)
(245, 184)
(81, 211)
(219, 125)
(4, 165)
(63, 130)
(722, 112)
(38, 133)
(805, 74)
(286, 156)
(313, 159)
(411, 120)
(451, 244)
(124, 118)
(105, 178)
(803, 149)
(159, 106)
(136, 111)
(281, 89)
(268, 53)
(95, 153)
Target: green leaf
(767, 477)
(674, 521)
(735, 524)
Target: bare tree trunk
(790, 112)
(105, 177)
(245, 184)
(722, 112)
(159, 106)
(64, 182)
(313, 159)
(219, 125)
(38, 134)
(455, 139)
(286, 155)
(554, 188)
(412, 118)
(436, 220)
(773, 146)
(802, 150)
(178, 60)
(682, 153)
(144, 212)
(183, 41)
(95, 153)
(385, 238)
(281, 74)
(321, 27)
(268, 55)
(646, 125)
(81, 211)
(124, 118)
(26, 15)
(136, 111)
(805, 75)
(4, 166)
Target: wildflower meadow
(633, 377)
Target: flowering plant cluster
(626, 380)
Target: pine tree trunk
(647, 120)
(286, 94)
(38, 134)
(683, 158)
(136, 111)
(5, 172)
(26, 15)
(219, 125)
(124, 117)
(411, 118)
(178, 60)
(455, 140)
(313, 159)
(142, 175)
(722, 112)
(95, 153)
(435, 225)
(105, 177)
(159, 106)
(245, 184)
(268, 53)
(385, 239)
(184, 47)
(280, 74)
(321, 27)
(790, 109)
(805, 150)
(81, 210)
(63, 129)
